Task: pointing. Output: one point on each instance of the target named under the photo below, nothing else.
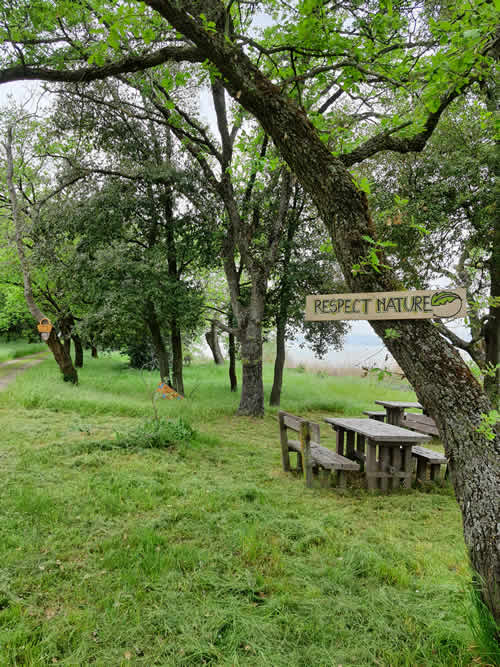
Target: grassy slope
(210, 554)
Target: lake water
(351, 356)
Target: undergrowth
(157, 433)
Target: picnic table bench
(311, 456)
(388, 456)
(395, 410)
(428, 461)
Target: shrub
(157, 434)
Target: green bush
(158, 433)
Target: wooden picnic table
(395, 410)
(388, 456)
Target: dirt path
(19, 365)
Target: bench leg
(384, 457)
(435, 468)
(371, 465)
(350, 445)
(397, 458)
(340, 441)
(421, 470)
(341, 479)
(407, 465)
(299, 463)
(325, 478)
(360, 448)
(285, 457)
(305, 446)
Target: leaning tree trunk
(77, 342)
(212, 338)
(61, 356)
(177, 372)
(440, 378)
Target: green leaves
(441, 298)
(488, 425)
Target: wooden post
(340, 440)
(421, 470)
(407, 465)
(350, 445)
(384, 462)
(360, 448)
(435, 470)
(299, 468)
(396, 463)
(325, 478)
(315, 432)
(285, 456)
(371, 465)
(305, 446)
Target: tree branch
(86, 74)
(386, 142)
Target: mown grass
(207, 553)
(19, 348)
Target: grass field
(206, 553)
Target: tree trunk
(212, 338)
(67, 345)
(252, 386)
(94, 352)
(176, 341)
(441, 380)
(233, 380)
(279, 363)
(282, 318)
(445, 386)
(77, 342)
(158, 344)
(62, 358)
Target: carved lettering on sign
(418, 304)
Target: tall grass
(20, 348)
(109, 386)
(206, 553)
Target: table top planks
(400, 404)
(380, 432)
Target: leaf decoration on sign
(441, 298)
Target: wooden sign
(417, 304)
